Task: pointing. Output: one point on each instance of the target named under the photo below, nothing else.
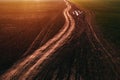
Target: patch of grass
(107, 14)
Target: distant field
(107, 13)
(20, 23)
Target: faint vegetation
(21, 22)
(107, 13)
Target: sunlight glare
(21, 0)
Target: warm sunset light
(59, 39)
(21, 0)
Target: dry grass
(20, 23)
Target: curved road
(28, 67)
(74, 53)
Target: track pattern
(74, 53)
(30, 65)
